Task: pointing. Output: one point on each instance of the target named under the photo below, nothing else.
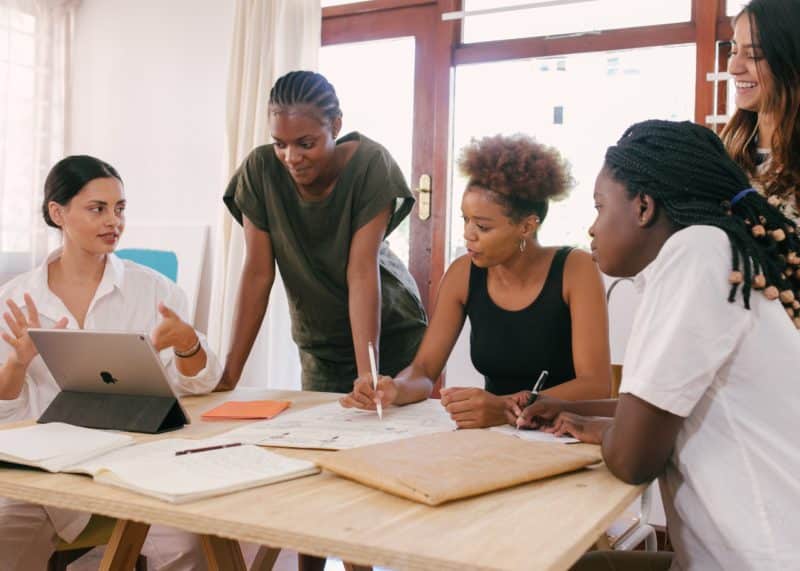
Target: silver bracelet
(191, 352)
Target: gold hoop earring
(523, 243)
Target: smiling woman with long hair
(763, 135)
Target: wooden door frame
(378, 19)
(385, 19)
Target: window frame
(707, 25)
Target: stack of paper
(331, 427)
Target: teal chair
(162, 261)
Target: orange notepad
(233, 410)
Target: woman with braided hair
(531, 307)
(320, 207)
(763, 136)
(709, 393)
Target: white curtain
(271, 38)
(35, 43)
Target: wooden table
(544, 525)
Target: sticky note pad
(254, 409)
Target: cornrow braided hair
(306, 88)
(685, 168)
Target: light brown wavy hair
(775, 26)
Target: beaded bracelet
(191, 352)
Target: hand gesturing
(18, 325)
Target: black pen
(535, 392)
(206, 449)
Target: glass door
(380, 63)
(381, 109)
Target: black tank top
(511, 348)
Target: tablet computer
(118, 373)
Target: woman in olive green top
(321, 208)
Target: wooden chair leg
(265, 558)
(602, 543)
(222, 554)
(141, 563)
(125, 545)
(60, 559)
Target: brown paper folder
(438, 468)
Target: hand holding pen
(534, 393)
(374, 370)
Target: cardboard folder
(437, 468)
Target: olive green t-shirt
(311, 242)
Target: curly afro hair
(524, 175)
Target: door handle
(424, 191)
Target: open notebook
(150, 468)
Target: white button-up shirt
(126, 300)
(731, 490)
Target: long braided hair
(305, 88)
(685, 168)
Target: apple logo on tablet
(107, 377)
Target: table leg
(265, 558)
(222, 554)
(124, 546)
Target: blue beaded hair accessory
(741, 194)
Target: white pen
(374, 371)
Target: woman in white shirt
(709, 395)
(763, 135)
(84, 285)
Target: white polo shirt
(731, 488)
(126, 300)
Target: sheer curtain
(35, 41)
(271, 38)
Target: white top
(731, 488)
(126, 300)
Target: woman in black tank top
(531, 308)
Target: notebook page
(139, 452)
(55, 446)
(192, 476)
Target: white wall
(148, 96)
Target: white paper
(155, 470)
(534, 435)
(54, 446)
(332, 427)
